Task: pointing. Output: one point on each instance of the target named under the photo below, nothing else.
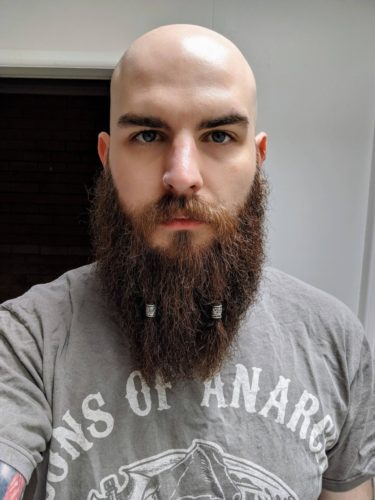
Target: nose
(182, 175)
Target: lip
(182, 223)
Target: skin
(12, 483)
(184, 75)
(362, 492)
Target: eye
(219, 136)
(147, 136)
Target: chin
(182, 242)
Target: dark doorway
(48, 162)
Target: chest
(247, 431)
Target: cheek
(243, 173)
(122, 182)
(135, 187)
(241, 189)
(234, 185)
(245, 180)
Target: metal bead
(217, 311)
(150, 310)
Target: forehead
(179, 106)
(183, 87)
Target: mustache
(170, 207)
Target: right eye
(147, 136)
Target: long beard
(183, 282)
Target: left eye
(219, 137)
(147, 136)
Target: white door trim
(57, 64)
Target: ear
(103, 148)
(261, 145)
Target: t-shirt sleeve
(25, 413)
(352, 460)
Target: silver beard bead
(150, 310)
(217, 311)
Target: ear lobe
(103, 147)
(261, 146)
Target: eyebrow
(131, 119)
(231, 119)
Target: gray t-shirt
(293, 409)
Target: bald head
(182, 56)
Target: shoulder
(291, 296)
(56, 299)
(314, 314)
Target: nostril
(182, 181)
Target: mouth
(180, 221)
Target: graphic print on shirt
(201, 472)
(297, 413)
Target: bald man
(177, 365)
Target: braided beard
(182, 340)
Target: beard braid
(182, 340)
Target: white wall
(315, 68)
(367, 299)
(70, 33)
